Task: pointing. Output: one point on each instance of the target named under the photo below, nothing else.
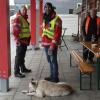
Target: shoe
(52, 80)
(26, 70)
(19, 75)
(47, 78)
(90, 61)
(55, 80)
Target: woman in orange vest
(90, 33)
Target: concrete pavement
(36, 60)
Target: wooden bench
(85, 68)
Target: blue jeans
(52, 60)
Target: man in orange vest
(90, 30)
(22, 36)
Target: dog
(44, 88)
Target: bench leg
(98, 70)
(98, 80)
(90, 80)
(80, 81)
(70, 60)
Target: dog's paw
(30, 94)
(24, 91)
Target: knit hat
(51, 5)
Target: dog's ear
(32, 79)
(33, 82)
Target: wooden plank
(95, 51)
(83, 66)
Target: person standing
(52, 29)
(22, 36)
(90, 33)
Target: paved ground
(37, 62)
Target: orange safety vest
(88, 21)
(98, 21)
(87, 24)
(98, 25)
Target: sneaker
(90, 61)
(55, 80)
(19, 75)
(52, 80)
(47, 78)
(26, 70)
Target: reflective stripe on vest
(25, 32)
(98, 25)
(98, 20)
(50, 31)
(87, 24)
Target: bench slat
(83, 66)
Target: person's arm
(83, 29)
(98, 27)
(57, 33)
(16, 27)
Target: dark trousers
(52, 60)
(87, 54)
(19, 58)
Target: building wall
(70, 22)
(63, 6)
(89, 4)
(21, 1)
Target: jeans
(52, 60)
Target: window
(70, 11)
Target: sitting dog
(43, 88)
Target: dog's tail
(69, 88)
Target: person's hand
(50, 51)
(93, 40)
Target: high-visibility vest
(25, 31)
(88, 21)
(98, 21)
(98, 25)
(49, 32)
(87, 24)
